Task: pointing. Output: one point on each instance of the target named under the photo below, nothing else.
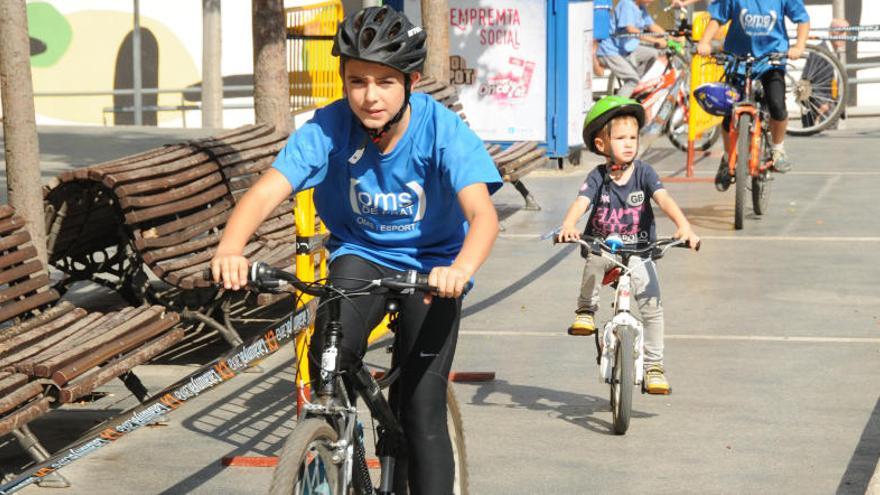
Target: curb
(874, 484)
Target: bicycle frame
(622, 317)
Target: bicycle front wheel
(623, 379)
(741, 176)
(762, 182)
(456, 437)
(815, 91)
(306, 463)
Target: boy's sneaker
(780, 161)
(722, 177)
(655, 380)
(583, 325)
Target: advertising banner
(498, 53)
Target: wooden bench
(159, 215)
(513, 162)
(53, 353)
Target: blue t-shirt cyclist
(402, 183)
(758, 27)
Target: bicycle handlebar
(775, 58)
(656, 249)
(267, 277)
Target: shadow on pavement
(864, 459)
(577, 409)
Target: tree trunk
(19, 126)
(212, 80)
(435, 20)
(271, 86)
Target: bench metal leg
(38, 453)
(137, 388)
(531, 203)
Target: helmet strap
(376, 135)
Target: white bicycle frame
(622, 317)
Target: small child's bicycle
(620, 342)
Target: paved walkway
(773, 349)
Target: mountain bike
(620, 343)
(666, 97)
(328, 452)
(750, 160)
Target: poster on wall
(498, 54)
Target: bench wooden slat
(44, 317)
(85, 384)
(125, 343)
(515, 151)
(510, 167)
(255, 154)
(106, 175)
(156, 255)
(52, 345)
(18, 307)
(23, 394)
(25, 253)
(165, 180)
(11, 224)
(183, 205)
(21, 271)
(13, 240)
(172, 194)
(11, 381)
(24, 415)
(114, 328)
(248, 167)
(22, 288)
(213, 222)
(99, 170)
(200, 261)
(42, 336)
(185, 222)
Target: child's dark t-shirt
(622, 209)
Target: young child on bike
(402, 183)
(619, 192)
(625, 55)
(758, 27)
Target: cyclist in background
(402, 183)
(757, 27)
(626, 55)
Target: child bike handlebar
(268, 278)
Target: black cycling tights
(773, 82)
(426, 345)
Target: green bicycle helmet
(606, 109)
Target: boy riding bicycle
(619, 192)
(758, 27)
(625, 55)
(402, 184)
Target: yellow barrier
(703, 70)
(313, 72)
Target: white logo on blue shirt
(757, 24)
(400, 204)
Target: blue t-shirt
(398, 209)
(627, 13)
(622, 209)
(758, 26)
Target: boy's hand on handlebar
(704, 48)
(795, 53)
(689, 236)
(231, 269)
(449, 281)
(568, 234)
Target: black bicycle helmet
(382, 35)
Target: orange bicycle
(750, 159)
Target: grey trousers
(631, 68)
(646, 289)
